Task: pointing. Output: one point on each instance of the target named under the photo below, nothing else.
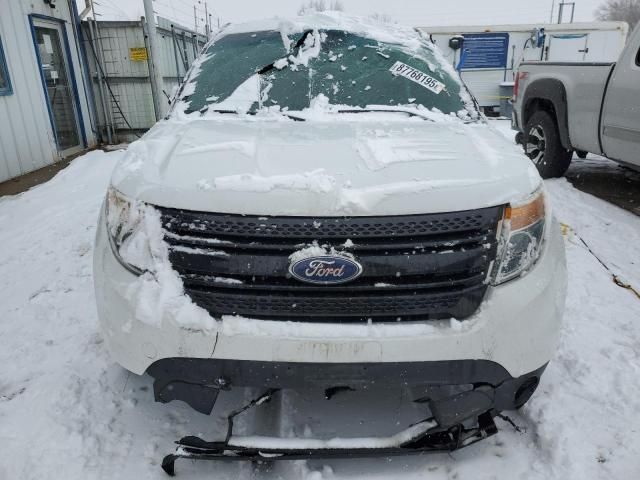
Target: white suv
(324, 206)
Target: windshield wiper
(411, 113)
(292, 117)
(299, 43)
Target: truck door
(620, 125)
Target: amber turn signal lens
(524, 215)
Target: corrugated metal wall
(26, 137)
(130, 99)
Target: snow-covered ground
(68, 412)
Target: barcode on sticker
(417, 76)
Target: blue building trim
(7, 89)
(84, 63)
(71, 73)
(43, 80)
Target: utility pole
(553, 6)
(206, 21)
(195, 18)
(155, 74)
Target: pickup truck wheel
(543, 146)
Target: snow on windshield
(284, 66)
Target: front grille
(415, 267)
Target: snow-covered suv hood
(324, 168)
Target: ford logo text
(325, 269)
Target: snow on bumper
(517, 326)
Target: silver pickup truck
(561, 108)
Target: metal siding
(23, 112)
(26, 138)
(485, 85)
(129, 80)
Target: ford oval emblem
(325, 269)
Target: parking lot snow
(68, 412)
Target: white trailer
(491, 54)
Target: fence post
(194, 44)
(185, 56)
(175, 53)
(100, 80)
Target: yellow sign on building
(138, 54)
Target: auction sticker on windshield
(417, 76)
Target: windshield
(248, 72)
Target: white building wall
(27, 140)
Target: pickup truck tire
(543, 146)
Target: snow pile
(366, 198)
(213, 241)
(378, 153)
(158, 294)
(309, 49)
(233, 325)
(316, 250)
(367, 27)
(245, 147)
(397, 440)
(150, 151)
(198, 251)
(320, 109)
(316, 181)
(242, 98)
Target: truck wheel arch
(548, 95)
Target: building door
(53, 56)
(570, 47)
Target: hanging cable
(616, 278)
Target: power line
(178, 15)
(114, 6)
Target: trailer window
(5, 83)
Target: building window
(5, 82)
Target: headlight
(521, 239)
(129, 232)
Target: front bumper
(420, 437)
(517, 326)
(455, 390)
